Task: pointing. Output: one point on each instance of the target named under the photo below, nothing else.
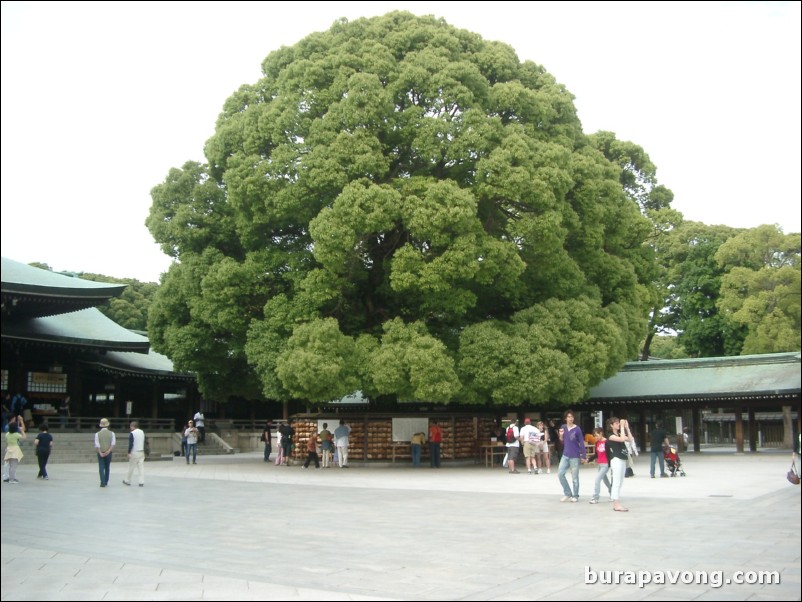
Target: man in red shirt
(435, 438)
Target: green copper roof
(19, 277)
(767, 374)
(87, 328)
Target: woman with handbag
(618, 435)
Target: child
(604, 465)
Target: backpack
(511, 435)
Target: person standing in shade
(287, 434)
(15, 434)
(326, 445)
(416, 447)
(659, 440)
(64, 412)
(200, 424)
(267, 439)
(191, 433)
(435, 440)
(573, 445)
(341, 434)
(136, 454)
(104, 444)
(43, 444)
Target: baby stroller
(673, 463)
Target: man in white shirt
(200, 425)
(341, 440)
(136, 454)
(530, 436)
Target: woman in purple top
(573, 444)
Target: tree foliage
(693, 282)
(130, 309)
(401, 207)
(761, 287)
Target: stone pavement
(236, 528)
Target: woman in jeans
(603, 463)
(618, 435)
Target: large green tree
(761, 287)
(693, 278)
(402, 207)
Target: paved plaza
(237, 528)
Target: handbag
(793, 474)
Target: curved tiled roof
(33, 292)
(766, 375)
(50, 310)
(87, 328)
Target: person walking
(618, 434)
(659, 441)
(136, 454)
(15, 434)
(341, 434)
(573, 454)
(43, 444)
(604, 466)
(311, 451)
(105, 440)
(191, 433)
(200, 424)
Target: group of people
(534, 438)
(15, 433)
(106, 439)
(613, 448)
(333, 446)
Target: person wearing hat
(104, 444)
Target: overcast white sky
(101, 99)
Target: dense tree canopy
(401, 207)
(761, 288)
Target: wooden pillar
(641, 441)
(752, 429)
(739, 429)
(696, 432)
(154, 399)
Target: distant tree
(401, 207)
(667, 348)
(694, 282)
(130, 309)
(761, 288)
